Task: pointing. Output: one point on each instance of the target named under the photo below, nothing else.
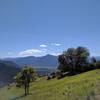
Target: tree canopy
(74, 60)
(19, 77)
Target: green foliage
(74, 60)
(19, 77)
(59, 75)
(94, 64)
(97, 64)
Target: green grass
(84, 86)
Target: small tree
(24, 77)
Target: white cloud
(56, 44)
(43, 45)
(32, 52)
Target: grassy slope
(78, 87)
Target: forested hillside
(8, 70)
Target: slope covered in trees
(8, 70)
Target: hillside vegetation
(8, 70)
(84, 86)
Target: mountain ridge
(43, 61)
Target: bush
(59, 75)
(48, 78)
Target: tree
(98, 64)
(93, 60)
(70, 58)
(82, 59)
(24, 77)
(74, 60)
(63, 65)
(93, 63)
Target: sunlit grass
(79, 87)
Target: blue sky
(39, 27)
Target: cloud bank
(32, 52)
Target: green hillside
(84, 86)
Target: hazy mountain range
(47, 61)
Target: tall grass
(79, 87)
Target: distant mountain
(8, 70)
(48, 61)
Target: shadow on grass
(20, 97)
